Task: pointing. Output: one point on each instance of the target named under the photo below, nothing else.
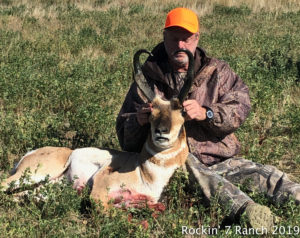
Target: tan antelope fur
(123, 177)
(43, 162)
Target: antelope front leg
(84, 163)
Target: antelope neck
(169, 153)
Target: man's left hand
(194, 110)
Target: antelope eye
(154, 106)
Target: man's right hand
(143, 113)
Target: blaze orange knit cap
(184, 18)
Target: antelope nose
(161, 130)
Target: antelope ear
(175, 104)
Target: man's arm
(230, 109)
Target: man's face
(176, 38)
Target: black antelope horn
(189, 79)
(139, 78)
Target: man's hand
(194, 110)
(143, 113)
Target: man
(218, 103)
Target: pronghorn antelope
(123, 177)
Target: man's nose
(181, 44)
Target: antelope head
(167, 117)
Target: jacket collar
(157, 67)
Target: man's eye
(188, 39)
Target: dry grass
(91, 52)
(254, 5)
(13, 23)
(47, 16)
(295, 95)
(202, 7)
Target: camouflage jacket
(216, 86)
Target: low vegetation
(65, 68)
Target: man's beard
(180, 59)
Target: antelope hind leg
(43, 162)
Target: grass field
(66, 66)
